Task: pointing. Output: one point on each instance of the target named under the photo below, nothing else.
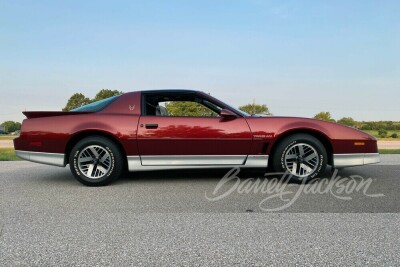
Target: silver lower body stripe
(42, 157)
(192, 160)
(349, 160)
(150, 163)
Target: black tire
(292, 152)
(106, 160)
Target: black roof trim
(155, 91)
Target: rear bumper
(42, 157)
(349, 160)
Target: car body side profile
(138, 131)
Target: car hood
(278, 125)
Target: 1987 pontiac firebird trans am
(136, 131)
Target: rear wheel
(302, 156)
(95, 161)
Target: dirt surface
(389, 144)
(6, 143)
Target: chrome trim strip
(253, 161)
(54, 159)
(349, 160)
(257, 161)
(192, 160)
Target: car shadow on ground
(217, 174)
(55, 176)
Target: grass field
(7, 137)
(8, 154)
(389, 151)
(389, 133)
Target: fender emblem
(131, 107)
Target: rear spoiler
(41, 114)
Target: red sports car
(144, 131)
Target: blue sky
(298, 57)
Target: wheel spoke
(306, 168)
(104, 158)
(301, 150)
(94, 161)
(90, 170)
(101, 168)
(293, 156)
(301, 160)
(94, 152)
(85, 159)
(310, 157)
(294, 168)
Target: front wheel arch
(321, 137)
(305, 153)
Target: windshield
(96, 106)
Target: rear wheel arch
(320, 136)
(93, 133)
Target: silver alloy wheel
(94, 162)
(301, 160)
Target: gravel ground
(6, 143)
(164, 219)
(389, 144)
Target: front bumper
(349, 160)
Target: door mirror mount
(227, 114)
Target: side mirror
(227, 114)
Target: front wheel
(95, 161)
(302, 156)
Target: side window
(179, 105)
(185, 109)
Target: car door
(185, 140)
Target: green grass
(389, 151)
(8, 154)
(389, 133)
(7, 137)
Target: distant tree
(255, 109)
(394, 135)
(78, 99)
(348, 121)
(188, 108)
(382, 133)
(390, 125)
(325, 116)
(106, 93)
(75, 101)
(11, 126)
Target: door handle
(151, 126)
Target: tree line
(11, 126)
(185, 108)
(382, 127)
(78, 99)
(363, 125)
(177, 108)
